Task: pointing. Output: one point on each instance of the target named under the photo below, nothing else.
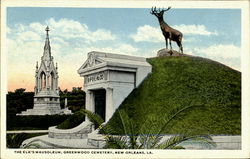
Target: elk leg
(170, 37)
(166, 39)
(180, 44)
(180, 47)
(170, 44)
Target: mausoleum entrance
(100, 102)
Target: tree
(77, 90)
(20, 91)
(75, 98)
(19, 100)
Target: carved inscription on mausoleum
(100, 76)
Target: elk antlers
(153, 10)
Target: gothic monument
(46, 99)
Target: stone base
(50, 110)
(66, 138)
(96, 140)
(45, 142)
(66, 111)
(79, 132)
(46, 103)
(45, 107)
(167, 52)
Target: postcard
(125, 79)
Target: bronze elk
(168, 32)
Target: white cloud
(20, 27)
(28, 36)
(189, 39)
(194, 30)
(222, 51)
(126, 48)
(102, 34)
(37, 27)
(120, 48)
(229, 55)
(60, 41)
(63, 28)
(147, 33)
(69, 29)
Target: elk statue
(167, 31)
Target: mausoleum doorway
(100, 102)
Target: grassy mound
(177, 82)
(74, 120)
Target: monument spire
(47, 50)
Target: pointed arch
(52, 80)
(42, 80)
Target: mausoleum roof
(102, 60)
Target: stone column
(36, 86)
(36, 81)
(56, 83)
(47, 82)
(39, 84)
(109, 104)
(43, 81)
(89, 104)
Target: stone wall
(222, 143)
(79, 132)
(97, 141)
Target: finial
(56, 66)
(37, 65)
(47, 30)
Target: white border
(245, 64)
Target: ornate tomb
(46, 99)
(109, 79)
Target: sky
(209, 33)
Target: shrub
(76, 119)
(15, 140)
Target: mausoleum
(109, 78)
(46, 99)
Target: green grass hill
(178, 82)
